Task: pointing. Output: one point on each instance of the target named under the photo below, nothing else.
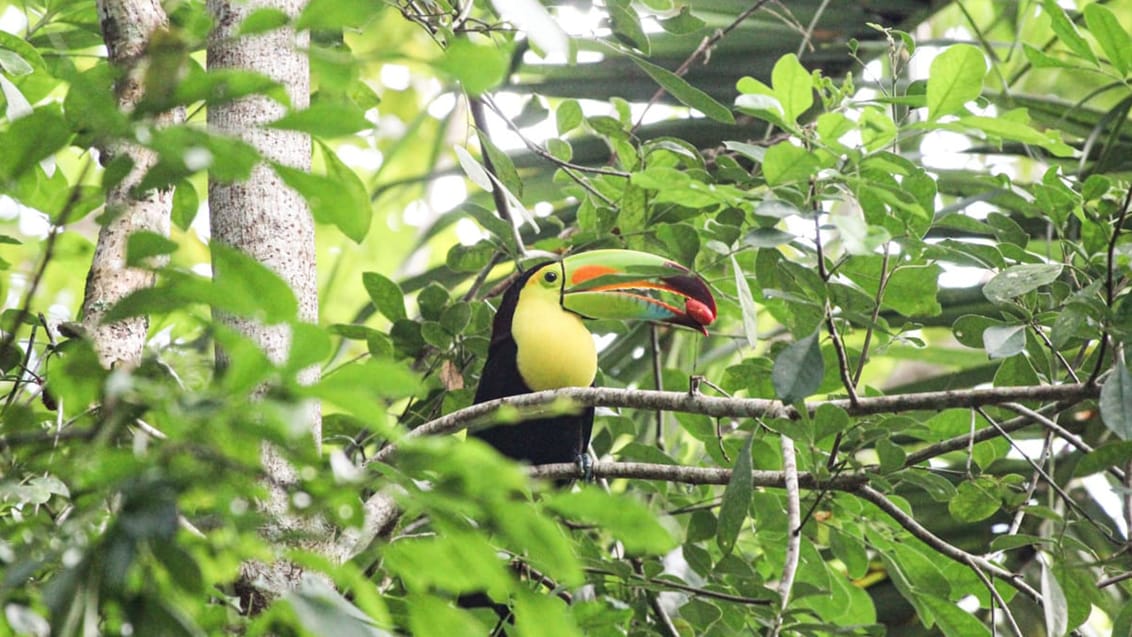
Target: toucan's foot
(586, 465)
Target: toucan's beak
(623, 284)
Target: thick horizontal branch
(693, 475)
(744, 407)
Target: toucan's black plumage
(563, 438)
(539, 342)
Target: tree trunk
(127, 26)
(269, 221)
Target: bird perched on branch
(539, 341)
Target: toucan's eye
(550, 277)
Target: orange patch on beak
(587, 272)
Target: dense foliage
(927, 250)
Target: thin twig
(942, 547)
(683, 588)
(997, 599)
(1115, 579)
(663, 621)
(1110, 281)
(1062, 432)
(881, 285)
(702, 50)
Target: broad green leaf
(431, 615)
(1054, 609)
(30, 139)
(323, 611)
(683, 23)
(1111, 35)
(1020, 279)
(687, 94)
(501, 164)
(1019, 131)
(186, 204)
(975, 500)
(143, 245)
(627, 25)
(1004, 341)
(736, 500)
(337, 198)
(799, 369)
(631, 522)
(793, 86)
(325, 118)
(1116, 402)
(385, 294)
(263, 20)
(1067, 32)
(1113, 454)
(478, 67)
(473, 169)
(746, 305)
(568, 116)
(236, 275)
(786, 163)
(954, 621)
(956, 77)
(891, 455)
(335, 14)
(539, 615)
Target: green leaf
(335, 14)
(955, 78)
(143, 245)
(786, 163)
(1054, 608)
(687, 94)
(1020, 279)
(1004, 341)
(891, 455)
(386, 295)
(236, 275)
(793, 86)
(501, 164)
(325, 118)
(323, 611)
(746, 305)
(952, 620)
(798, 369)
(30, 139)
(1111, 35)
(627, 25)
(186, 204)
(1113, 454)
(339, 198)
(1116, 402)
(568, 116)
(430, 615)
(478, 67)
(1067, 32)
(683, 23)
(736, 500)
(263, 20)
(975, 500)
(631, 522)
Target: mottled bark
(127, 27)
(267, 220)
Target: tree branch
(574, 397)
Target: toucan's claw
(586, 465)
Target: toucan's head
(624, 284)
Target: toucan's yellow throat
(554, 348)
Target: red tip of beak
(699, 312)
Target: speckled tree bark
(269, 221)
(127, 26)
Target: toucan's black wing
(538, 441)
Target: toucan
(539, 340)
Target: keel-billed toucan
(539, 342)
